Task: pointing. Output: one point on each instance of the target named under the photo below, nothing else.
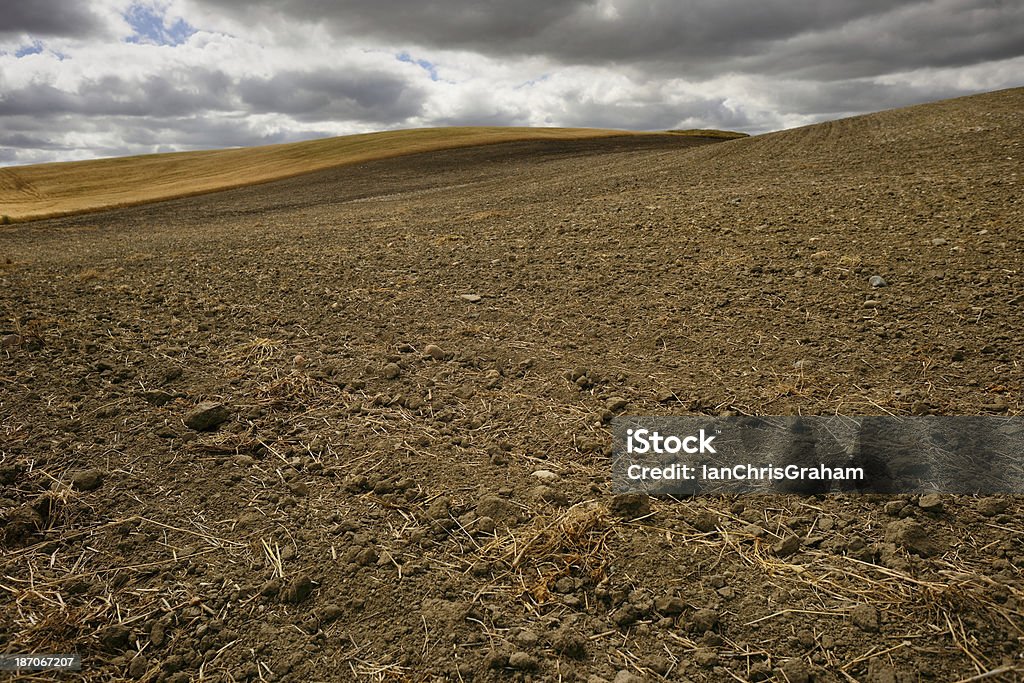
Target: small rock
(930, 502)
(471, 298)
(546, 475)
(624, 676)
(87, 480)
(877, 281)
(298, 589)
(871, 303)
(795, 671)
(565, 585)
(912, 537)
(10, 341)
(616, 403)
(865, 617)
(630, 505)
(299, 361)
(893, 508)
(938, 241)
(391, 371)
(434, 352)
(207, 416)
(522, 661)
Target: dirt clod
(864, 617)
(570, 643)
(787, 546)
(522, 661)
(703, 620)
(88, 480)
(992, 506)
(630, 505)
(138, 666)
(706, 657)
(913, 537)
(298, 589)
(795, 671)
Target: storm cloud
(826, 38)
(43, 18)
(329, 94)
(105, 77)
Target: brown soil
(367, 507)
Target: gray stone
(207, 416)
(930, 502)
(616, 403)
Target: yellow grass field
(58, 189)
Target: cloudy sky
(81, 79)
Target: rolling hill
(59, 189)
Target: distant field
(60, 189)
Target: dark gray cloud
(48, 18)
(346, 95)
(809, 38)
(323, 95)
(111, 95)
